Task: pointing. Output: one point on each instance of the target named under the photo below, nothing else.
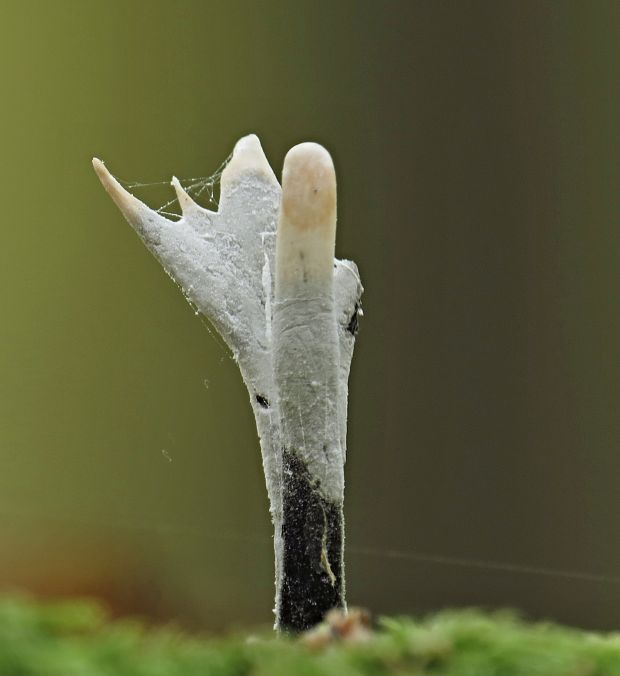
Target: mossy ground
(71, 639)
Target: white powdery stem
(224, 262)
(306, 349)
(306, 358)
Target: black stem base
(312, 534)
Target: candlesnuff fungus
(262, 269)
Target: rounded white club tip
(308, 188)
(248, 157)
(306, 233)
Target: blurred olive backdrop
(477, 148)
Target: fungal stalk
(262, 270)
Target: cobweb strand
(197, 188)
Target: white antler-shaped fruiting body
(225, 263)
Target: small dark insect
(263, 401)
(354, 324)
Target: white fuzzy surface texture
(224, 262)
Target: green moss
(70, 639)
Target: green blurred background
(477, 148)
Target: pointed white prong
(186, 203)
(248, 158)
(135, 211)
